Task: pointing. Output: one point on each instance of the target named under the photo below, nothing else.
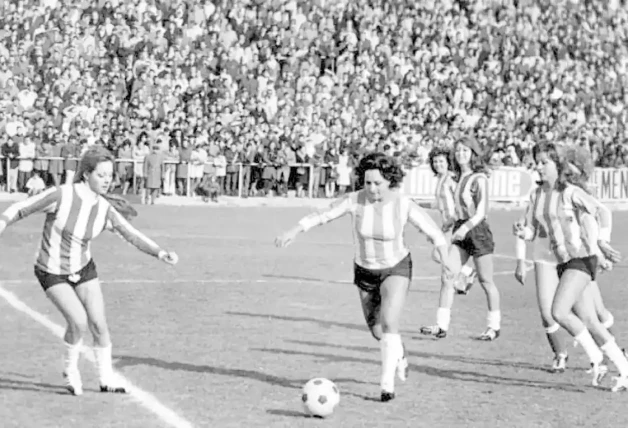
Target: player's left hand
(285, 239)
(458, 235)
(169, 257)
(609, 252)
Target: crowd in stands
(210, 84)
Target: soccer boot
(434, 330)
(598, 371)
(73, 381)
(489, 335)
(560, 363)
(621, 384)
(113, 384)
(387, 396)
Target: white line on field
(145, 399)
(270, 280)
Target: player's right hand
(520, 272)
(519, 230)
(285, 239)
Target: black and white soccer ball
(320, 397)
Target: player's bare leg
(458, 258)
(393, 291)
(65, 299)
(546, 280)
(91, 296)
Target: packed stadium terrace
(272, 83)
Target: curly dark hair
(388, 167)
(439, 151)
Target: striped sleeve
(481, 206)
(46, 201)
(336, 210)
(117, 223)
(528, 220)
(422, 221)
(589, 204)
(590, 226)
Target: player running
(382, 261)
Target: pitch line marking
(145, 399)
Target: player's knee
(78, 326)
(98, 327)
(546, 318)
(560, 314)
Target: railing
(135, 162)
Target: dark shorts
(478, 242)
(370, 280)
(587, 265)
(86, 274)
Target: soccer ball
(320, 397)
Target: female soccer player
(472, 237)
(546, 277)
(577, 261)
(77, 213)
(383, 266)
(439, 161)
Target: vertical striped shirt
(74, 217)
(471, 197)
(378, 228)
(444, 203)
(560, 223)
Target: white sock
(392, 351)
(609, 322)
(104, 364)
(72, 355)
(615, 354)
(466, 270)
(590, 347)
(494, 320)
(443, 318)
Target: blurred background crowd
(190, 89)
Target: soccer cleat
(489, 335)
(387, 396)
(598, 371)
(560, 363)
(621, 384)
(114, 385)
(434, 330)
(402, 369)
(73, 382)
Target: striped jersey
(74, 217)
(565, 225)
(444, 203)
(378, 228)
(471, 197)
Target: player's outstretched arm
(44, 202)
(336, 210)
(122, 227)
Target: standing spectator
(27, 151)
(153, 173)
(11, 153)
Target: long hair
(477, 162)
(439, 151)
(575, 167)
(88, 163)
(387, 166)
